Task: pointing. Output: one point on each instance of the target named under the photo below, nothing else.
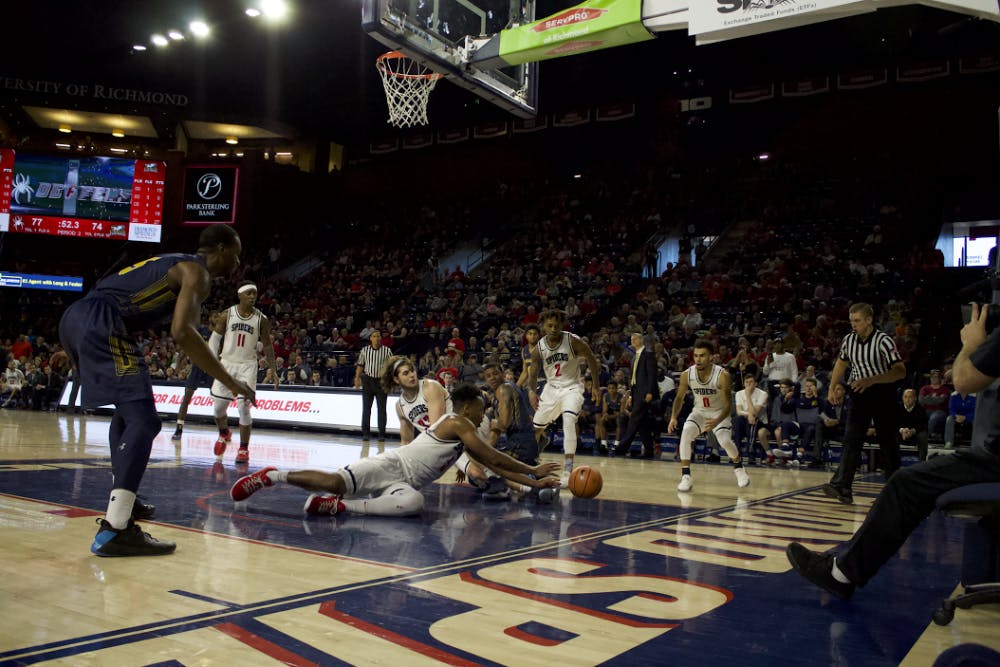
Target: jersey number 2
(558, 368)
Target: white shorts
(699, 417)
(556, 400)
(244, 371)
(373, 475)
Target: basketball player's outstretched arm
(406, 433)
(265, 338)
(463, 429)
(582, 349)
(682, 390)
(193, 284)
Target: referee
(875, 368)
(370, 361)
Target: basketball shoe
(328, 503)
(742, 478)
(128, 541)
(250, 484)
(242, 456)
(685, 484)
(177, 434)
(223, 442)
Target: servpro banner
(335, 409)
(591, 25)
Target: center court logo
(209, 186)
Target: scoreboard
(82, 196)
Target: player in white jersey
(559, 353)
(421, 402)
(388, 484)
(711, 387)
(240, 329)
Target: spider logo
(22, 186)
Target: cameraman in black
(910, 495)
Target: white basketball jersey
(707, 396)
(242, 333)
(562, 366)
(416, 412)
(427, 457)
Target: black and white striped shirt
(372, 360)
(870, 357)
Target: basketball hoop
(408, 85)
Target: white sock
(568, 465)
(120, 508)
(838, 575)
(616, 443)
(278, 475)
(180, 422)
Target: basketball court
(641, 575)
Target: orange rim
(396, 55)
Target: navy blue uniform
(518, 441)
(98, 330)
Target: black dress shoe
(142, 511)
(817, 568)
(843, 495)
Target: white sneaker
(564, 480)
(781, 453)
(685, 484)
(742, 478)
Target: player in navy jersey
(98, 333)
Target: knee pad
(407, 500)
(220, 407)
(569, 433)
(244, 407)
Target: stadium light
(117, 133)
(199, 29)
(252, 12)
(159, 40)
(232, 140)
(138, 47)
(65, 128)
(274, 10)
(176, 35)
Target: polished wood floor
(640, 575)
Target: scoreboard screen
(85, 196)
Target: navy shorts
(197, 379)
(111, 366)
(520, 446)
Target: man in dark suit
(645, 395)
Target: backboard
(438, 34)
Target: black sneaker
(177, 434)
(843, 495)
(142, 511)
(817, 568)
(129, 541)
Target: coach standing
(875, 367)
(369, 369)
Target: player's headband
(395, 366)
(247, 288)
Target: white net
(408, 85)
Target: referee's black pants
(371, 391)
(876, 404)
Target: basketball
(585, 482)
